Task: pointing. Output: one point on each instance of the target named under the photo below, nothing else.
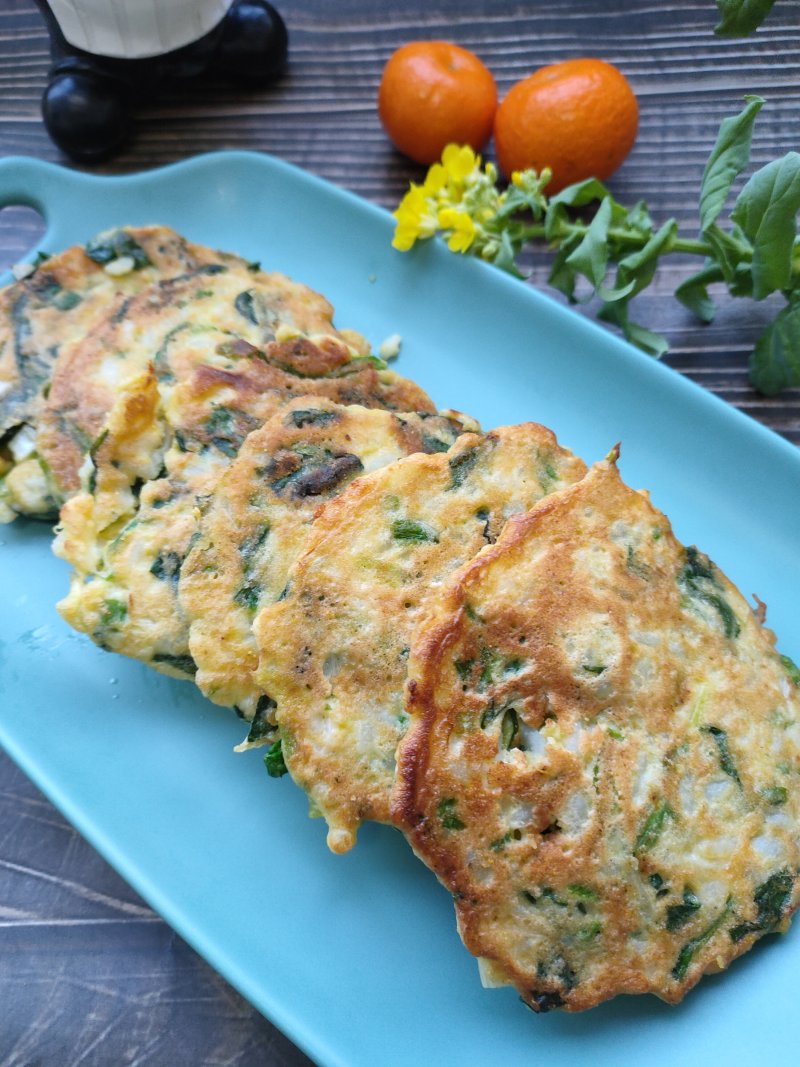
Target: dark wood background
(88, 974)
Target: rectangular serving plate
(356, 958)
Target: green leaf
(445, 809)
(580, 193)
(726, 760)
(653, 826)
(114, 611)
(741, 284)
(654, 344)
(583, 891)
(245, 305)
(699, 580)
(651, 343)
(461, 466)
(247, 596)
(775, 362)
(638, 218)
(728, 158)
(766, 210)
(557, 221)
(640, 266)
(792, 670)
(66, 300)
(618, 293)
(508, 728)
(183, 663)
(562, 274)
(411, 530)
(729, 252)
(693, 292)
(771, 899)
(262, 728)
(678, 915)
(740, 17)
(775, 794)
(116, 244)
(274, 761)
(505, 256)
(528, 195)
(167, 566)
(590, 932)
(590, 257)
(490, 713)
(691, 948)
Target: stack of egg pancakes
(579, 724)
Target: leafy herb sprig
(754, 253)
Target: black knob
(254, 44)
(87, 116)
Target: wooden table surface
(88, 973)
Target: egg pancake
(333, 651)
(127, 543)
(61, 301)
(602, 758)
(231, 302)
(128, 454)
(256, 524)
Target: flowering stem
(634, 238)
(755, 252)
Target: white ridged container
(136, 29)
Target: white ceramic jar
(136, 29)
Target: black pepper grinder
(106, 54)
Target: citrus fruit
(432, 94)
(578, 117)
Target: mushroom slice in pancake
(212, 392)
(333, 652)
(256, 523)
(602, 757)
(57, 304)
(229, 299)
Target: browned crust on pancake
(375, 555)
(73, 272)
(246, 307)
(257, 522)
(217, 392)
(619, 822)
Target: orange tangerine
(578, 117)
(432, 94)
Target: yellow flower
(459, 161)
(529, 179)
(416, 218)
(457, 196)
(435, 180)
(462, 227)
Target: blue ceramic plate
(356, 958)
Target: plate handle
(49, 189)
(31, 183)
